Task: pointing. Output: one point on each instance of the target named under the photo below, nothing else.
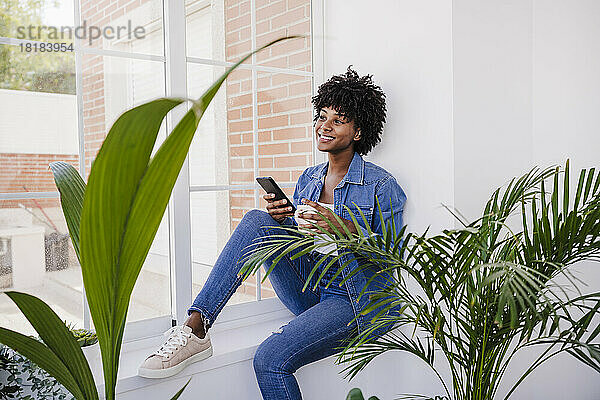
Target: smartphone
(270, 186)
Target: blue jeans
(322, 319)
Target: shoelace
(175, 337)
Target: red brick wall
(94, 127)
(283, 101)
(21, 173)
(94, 114)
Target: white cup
(299, 210)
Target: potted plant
(479, 294)
(88, 341)
(56, 244)
(20, 378)
(112, 223)
(84, 337)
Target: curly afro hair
(360, 100)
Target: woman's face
(335, 133)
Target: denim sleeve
(390, 198)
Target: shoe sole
(167, 372)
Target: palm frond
(484, 291)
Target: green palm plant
(356, 394)
(112, 222)
(482, 292)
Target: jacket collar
(355, 174)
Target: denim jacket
(363, 181)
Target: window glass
(134, 26)
(258, 125)
(205, 30)
(37, 257)
(211, 216)
(34, 20)
(208, 151)
(39, 123)
(112, 85)
(222, 30)
(39, 126)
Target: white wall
(492, 97)
(406, 46)
(527, 93)
(477, 92)
(566, 82)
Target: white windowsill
(234, 336)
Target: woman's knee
(260, 361)
(265, 359)
(258, 218)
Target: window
(60, 105)
(259, 125)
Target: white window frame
(175, 61)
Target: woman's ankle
(195, 322)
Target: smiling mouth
(325, 138)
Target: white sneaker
(180, 349)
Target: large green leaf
(72, 189)
(126, 197)
(60, 355)
(112, 187)
(43, 357)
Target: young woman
(350, 113)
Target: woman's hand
(279, 209)
(328, 215)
